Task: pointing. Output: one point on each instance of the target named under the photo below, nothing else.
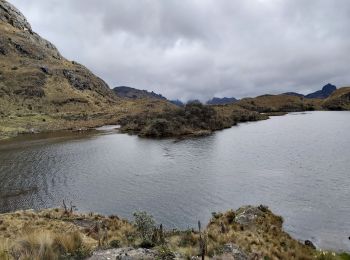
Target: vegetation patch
(251, 232)
(192, 119)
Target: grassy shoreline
(65, 234)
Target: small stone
(310, 244)
(45, 70)
(232, 251)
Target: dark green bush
(114, 243)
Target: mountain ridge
(324, 93)
(134, 93)
(221, 101)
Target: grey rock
(232, 251)
(10, 14)
(45, 70)
(3, 50)
(246, 215)
(83, 79)
(310, 244)
(127, 253)
(133, 93)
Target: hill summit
(325, 92)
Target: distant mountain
(194, 101)
(326, 91)
(293, 94)
(221, 101)
(133, 93)
(177, 102)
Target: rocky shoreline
(246, 233)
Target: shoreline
(246, 232)
(91, 125)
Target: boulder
(310, 244)
(247, 215)
(127, 253)
(232, 251)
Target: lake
(296, 164)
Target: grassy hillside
(339, 100)
(42, 91)
(279, 103)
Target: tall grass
(44, 245)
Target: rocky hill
(325, 92)
(36, 82)
(41, 91)
(133, 93)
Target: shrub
(145, 225)
(216, 215)
(146, 244)
(114, 243)
(165, 253)
(188, 239)
(230, 216)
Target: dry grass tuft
(44, 245)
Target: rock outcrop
(10, 14)
(232, 252)
(246, 215)
(127, 253)
(133, 93)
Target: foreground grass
(60, 234)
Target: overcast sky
(202, 48)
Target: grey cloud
(202, 48)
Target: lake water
(296, 164)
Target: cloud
(202, 48)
